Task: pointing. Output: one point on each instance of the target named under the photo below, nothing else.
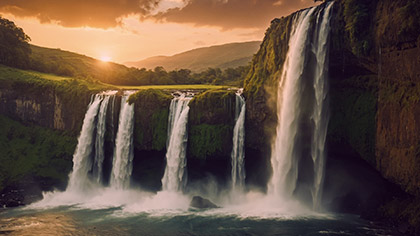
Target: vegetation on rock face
(212, 107)
(32, 151)
(410, 27)
(206, 140)
(404, 93)
(210, 123)
(151, 120)
(260, 85)
(66, 96)
(358, 15)
(14, 46)
(269, 59)
(398, 22)
(353, 115)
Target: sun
(105, 58)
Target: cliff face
(210, 126)
(374, 101)
(44, 106)
(260, 91)
(398, 116)
(38, 144)
(377, 57)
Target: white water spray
(100, 135)
(123, 154)
(81, 158)
(174, 178)
(237, 155)
(284, 159)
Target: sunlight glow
(105, 58)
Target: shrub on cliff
(14, 46)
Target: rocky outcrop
(374, 96)
(260, 91)
(202, 203)
(210, 126)
(45, 106)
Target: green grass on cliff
(174, 87)
(9, 76)
(32, 151)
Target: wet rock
(202, 203)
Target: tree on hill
(14, 46)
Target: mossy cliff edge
(374, 101)
(57, 109)
(40, 121)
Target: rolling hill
(220, 56)
(65, 63)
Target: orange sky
(129, 30)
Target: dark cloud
(229, 14)
(74, 13)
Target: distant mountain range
(219, 56)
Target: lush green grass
(33, 151)
(174, 87)
(66, 63)
(71, 64)
(10, 76)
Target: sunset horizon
(210, 117)
(128, 32)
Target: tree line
(15, 51)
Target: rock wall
(374, 94)
(210, 127)
(45, 106)
(384, 76)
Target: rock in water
(202, 203)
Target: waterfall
(237, 155)
(81, 158)
(320, 113)
(95, 119)
(174, 178)
(302, 109)
(100, 135)
(123, 153)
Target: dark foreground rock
(202, 203)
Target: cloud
(76, 13)
(226, 14)
(229, 14)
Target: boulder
(202, 203)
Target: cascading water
(302, 109)
(100, 135)
(123, 152)
(174, 178)
(95, 118)
(320, 113)
(81, 158)
(237, 155)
